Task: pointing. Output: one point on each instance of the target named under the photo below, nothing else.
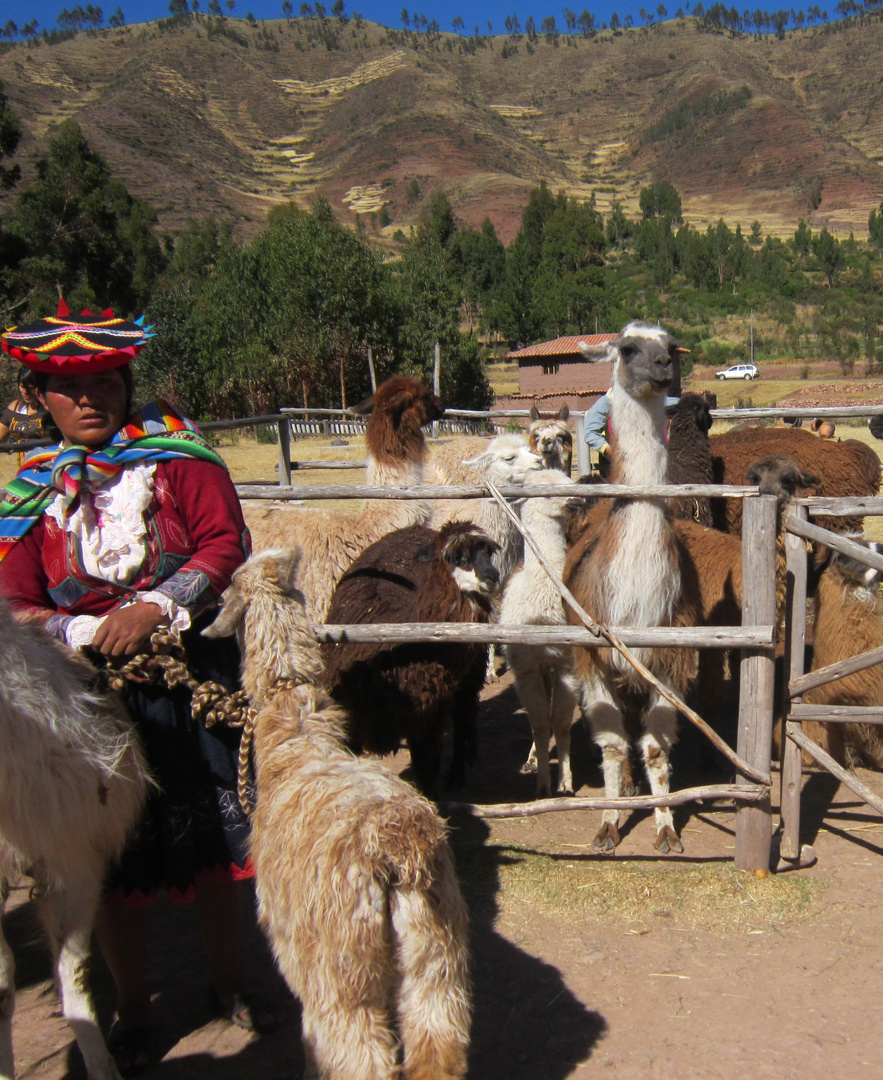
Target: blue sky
(386, 12)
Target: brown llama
(356, 883)
(848, 620)
(331, 539)
(628, 569)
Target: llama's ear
(534, 413)
(227, 620)
(286, 568)
(364, 408)
(426, 553)
(564, 412)
(594, 352)
(477, 462)
(808, 479)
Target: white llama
(532, 597)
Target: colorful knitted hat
(62, 345)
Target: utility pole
(752, 335)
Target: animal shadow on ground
(527, 1024)
(178, 980)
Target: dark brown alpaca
(415, 691)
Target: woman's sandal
(131, 1047)
(248, 1012)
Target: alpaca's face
(645, 363)
(551, 439)
(857, 574)
(472, 568)
(781, 476)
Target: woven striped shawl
(155, 433)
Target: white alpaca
(531, 597)
(355, 879)
(506, 459)
(330, 539)
(626, 570)
(72, 783)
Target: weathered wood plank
(832, 672)
(478, 491)
(838, 714)
(738, 792)
(756, 677)
(843, 775)
(792, 756)
(724, 637)
(837, 541)
(843, 506)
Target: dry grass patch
(711, 898)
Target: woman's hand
(127, 630)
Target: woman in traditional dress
(129, 525)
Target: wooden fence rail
(796, 743)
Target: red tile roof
(562, 346)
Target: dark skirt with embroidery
(193, 824)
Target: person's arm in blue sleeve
(595, 425)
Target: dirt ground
(584, 966)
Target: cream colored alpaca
(332, 539)
(552, 439)
(507, 459)
(531, 597)
(355, 879)
(72, 783)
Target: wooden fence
(756, 638)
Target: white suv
(738, 371)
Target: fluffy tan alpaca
(356, 883)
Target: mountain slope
(199, 121)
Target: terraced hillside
(198, 121)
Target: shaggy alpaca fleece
(72, 783)
(355, 879)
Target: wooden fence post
(436, 383)
(283, 450)
(792, 755)
(757, 676)
(583, 460)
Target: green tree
(661, 200)
(875, 220)
(80, 230)
(10, 136)
(438, 219)
(477, 259)
(429, 303)
(802, 242)
(827, 250)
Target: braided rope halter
(211, 702)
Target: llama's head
(550, 437)
(781, 476)
(851, 573)
(507, 459)
(266, 611)
(693, 412)
(399, 410)
(467, 553)
(644, 359)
